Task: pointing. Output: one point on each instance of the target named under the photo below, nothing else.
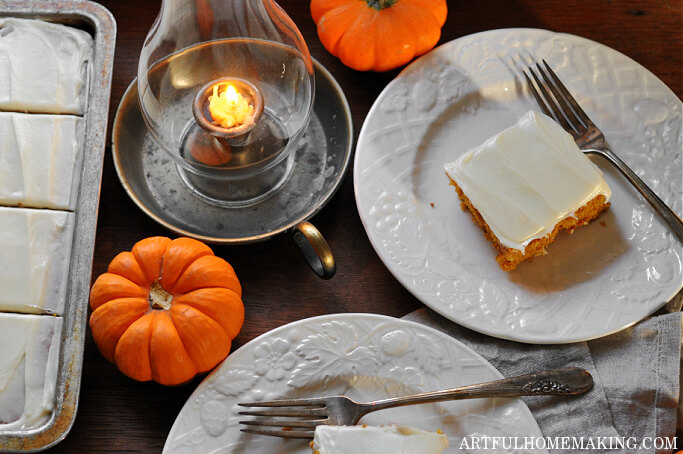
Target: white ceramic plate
(604, 277)
(363, 356)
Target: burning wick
(230, 109)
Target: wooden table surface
(119, 415)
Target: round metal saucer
(149, 175)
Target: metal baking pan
(99, 22)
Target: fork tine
(553, 83)
(280, 433)
(557, 114)
(575, 105)
(307, 424)
(284, 403)
(299, 412)
(537, 95)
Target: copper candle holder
(237, 135)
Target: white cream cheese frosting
(527, 178)
(43, 66)
(392, 439)
(28, 369)
(35, 247)
(40, 157)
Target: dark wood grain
(119, 415)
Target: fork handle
(658, 204)
(567, 381)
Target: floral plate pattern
(603, 278)
(363, 356)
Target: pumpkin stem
(158, 297)
(380, 4)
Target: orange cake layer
(509, 258)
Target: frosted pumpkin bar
(28, 369)
(391, 439)
(43, 66)
(526, 184)
(35, 246)
(40, 157)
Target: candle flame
(230, 108)
(231, 95)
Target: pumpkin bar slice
(43, 67)
(40, 156)
(35, 246)
(28, 369)
(526, 184)
(391, 439)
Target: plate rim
(319, 205)
(253, 343)
(403, 279)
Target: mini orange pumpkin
(166, 310)
(207, 150)
(378, 35)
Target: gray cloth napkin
(636, 374)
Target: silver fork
(561, 106)
(299, 417)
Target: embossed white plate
(363, 356)
(603, 278)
